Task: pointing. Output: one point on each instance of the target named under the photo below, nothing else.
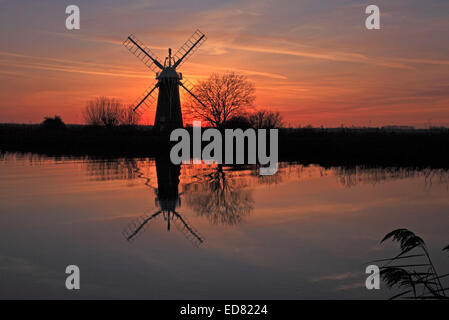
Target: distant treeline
(389, 146)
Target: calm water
(142, 228)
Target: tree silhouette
(223, 96)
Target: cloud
(342, 277)
(199, 66)
(87, 37)
(337, 277)
(12, 73)
(71, 66)
(351, 286)
(422, 61)
(333, 56)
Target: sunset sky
(314, 61)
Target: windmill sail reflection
(168, 200)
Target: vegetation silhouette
(412, 270)
(259, 119)
(265, 119)
(223, 96)
(53, 124)
(109, 112)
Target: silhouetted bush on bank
(53, 124)
(265, 119)
(260, 119)
(237, 122)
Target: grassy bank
(338, 146)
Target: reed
(412, 270)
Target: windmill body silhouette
(168, 81)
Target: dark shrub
(238, 122)
(264, 119)
(55, 124)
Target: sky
(313, 61)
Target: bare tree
(128, 117)
(108, 112)
(92, 114)
(264, 119)
(223, 96)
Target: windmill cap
(168, 72)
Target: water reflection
(306, 232)
(112, 169)
(168, 200)
(221, 182)
(352, 176)
(211, 192)
(220, 198)
(223, 195)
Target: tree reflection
(221, 199)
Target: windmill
(168, 200)
(168, 80)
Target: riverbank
(324, 146)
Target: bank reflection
(353, 176)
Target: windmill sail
(168, 111)
(142, 52)
(189, 48)
(145, 101)
(188, 86)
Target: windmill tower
(168, 80)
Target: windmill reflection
(168, 200)
(222, 195)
